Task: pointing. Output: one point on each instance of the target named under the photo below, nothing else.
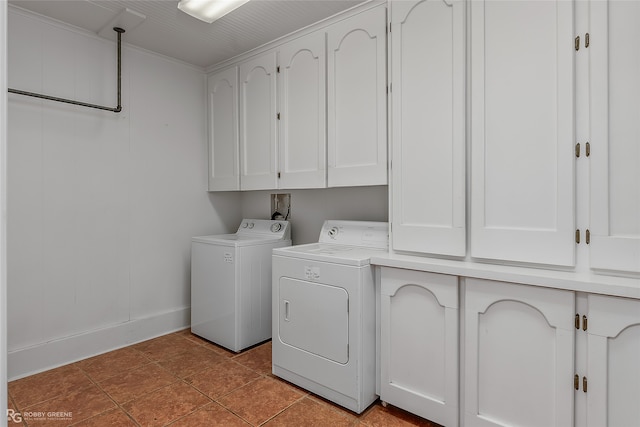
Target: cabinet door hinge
(577, 236)
(587, 149)
(586, 40)
(389, 26)
(278, 116)
(577, 43)
(577, 322)
(576, 383)
(587, 236)
(278, 175)
(278, 69)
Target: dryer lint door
(315, 318)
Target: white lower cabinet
(528, 357)
(519, 355)
(613, 368)
(419, 343)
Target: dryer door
(315, 318)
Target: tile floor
(180, 380)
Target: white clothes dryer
(231, 283)
(324, 327)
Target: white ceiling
(168, 31)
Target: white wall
(310, 208)
(3, 217)
(101, 206)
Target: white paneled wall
(3, 181)
(101, 206)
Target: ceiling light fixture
(209, 10)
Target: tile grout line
(156, 362)
(13, 401)
(150, 361)
(118, 406)
(252, 360)
(27, 406)
(283, 410)
(260, 376)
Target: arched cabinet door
(519, 355)
(419, 343)
(613, 352)
(357, 100)
(428, 126)
(258, 144)
(222, 104)
(303, 145)
(522, 131)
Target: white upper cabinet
(357, 101)
(222, 91)
(522, 131)
(615, 135)
(302, 142)
(312, 110)
(258, 131)
(428, 122)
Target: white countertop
(575, 281)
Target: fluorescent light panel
(209, 10)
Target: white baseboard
(34, 359)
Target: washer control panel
(265, 227)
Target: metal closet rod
(117, 109)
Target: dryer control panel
(369, 234)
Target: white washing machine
(231, 283)
(324, 328)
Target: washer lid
(251, 232)
(235, 239)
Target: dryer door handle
(286, 310)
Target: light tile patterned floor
(181, 380)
